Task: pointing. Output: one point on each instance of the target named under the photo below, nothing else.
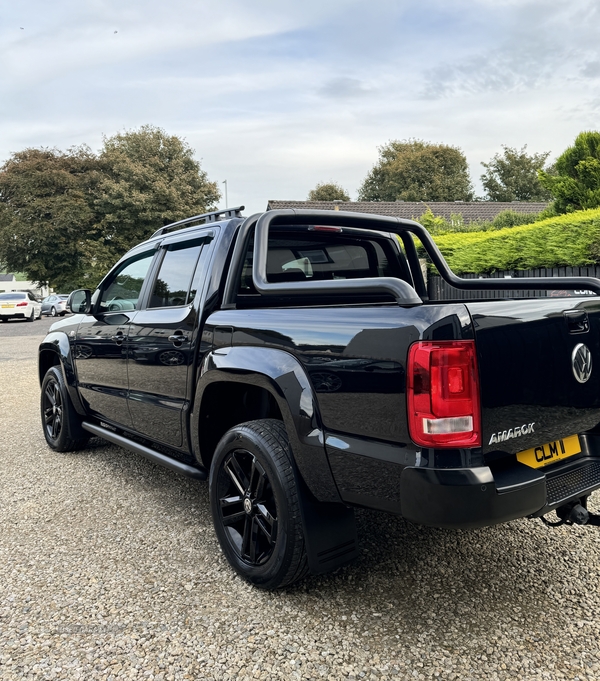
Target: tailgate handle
(577, 321)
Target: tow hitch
(574, 513)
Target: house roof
(7, 277)
(412, 210)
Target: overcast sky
(277, 95)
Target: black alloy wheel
(52, 410)
(60, 421)
(248, 508)
(171, 358)
(255, 504)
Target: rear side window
(179, 274)
(295, 257)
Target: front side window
(123, 290)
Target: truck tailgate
(534, 368)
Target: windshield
(12, 296)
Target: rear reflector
(443, 394)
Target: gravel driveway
(109, 569)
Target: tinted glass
(200, 272)
(123, 291)
(175, 275)
(13, 296)
(297, 257)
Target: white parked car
(19, 305)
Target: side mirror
(80, 301)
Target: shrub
(576, 182)
(438, 225)
(566, 240)
(510, 218)
(328, 191)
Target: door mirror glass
(80, 301)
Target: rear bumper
(479, 497)
(12, 315)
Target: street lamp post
(226, 201)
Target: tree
(149, 180)
(66, 217)
(576, 182)
(328, 191)
(414, 170)
(513, 176)
(48, 221)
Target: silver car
(55, 305)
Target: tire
(53, 312)
(256, 506)
(60, 422)
(31, 317)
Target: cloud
(591, 70)
(344, 88)
(535, 44)
(275, 95)
(506, 70)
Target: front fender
(281, 374)
(55, 350)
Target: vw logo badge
(581, 361)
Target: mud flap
(329, 532)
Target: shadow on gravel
(408, 578)
(477, 582)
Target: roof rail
(205, 218)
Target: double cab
(294, 360)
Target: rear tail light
(443, 394)
(23, 304)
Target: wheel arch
(55, 350)
(240, 384)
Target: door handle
(177, 338)
(118, 338)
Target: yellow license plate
(551, 452)
(5, 305)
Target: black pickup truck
(294, 360)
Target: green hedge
(566, 240)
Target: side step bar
(153, 455)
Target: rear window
(306, 256)
(13, 296)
